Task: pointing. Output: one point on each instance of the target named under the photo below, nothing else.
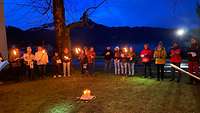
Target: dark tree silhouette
(62, 34)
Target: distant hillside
(96, 35)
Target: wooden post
(3, 40)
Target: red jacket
(175, 55)
(195, 50)
(146, 55)
(91, 55)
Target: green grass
(114, 94)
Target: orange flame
(43, 51)
(77, 50)
(14, 52)
(87, 92)
(125, 49)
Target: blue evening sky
(152, 13)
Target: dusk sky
(152, 13)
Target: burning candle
(66, 57)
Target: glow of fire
(66, 57)
(125, 49)
(77, 50)
(86, 92)
(14, 52)
(43, 51)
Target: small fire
(86, 96)
(86, 92)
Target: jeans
(131, 68)
(91, 68)
(42, 70)
(57, 69)
(124, 66)
(117, 67)
(29, 72)
(173, 71)
(66, 69)
(107, 65)
(160, 71)
(147, 65)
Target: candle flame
(66, 57)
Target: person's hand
(142, 55)
(17, 59)
(108, 53)
(194, 54)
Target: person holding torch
(29, 62)
(124, 59)
(160, 60)
(131, 61)
(146, 57)
(175, 58)
(15, 64)
(108, 55)
(117, 60)
(91, 55)
(57, 64)
(41, 58)
(66, 59)
(83, 61)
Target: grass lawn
(114, 94)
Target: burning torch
(77, 50)
(125, 50)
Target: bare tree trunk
(62, 34)
(3, 39)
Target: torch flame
(43, 51)
(126, 50)
(77, 50)
(14, 52)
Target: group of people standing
(124, 60)
(86, 57)
(28, 62)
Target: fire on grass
(86, 96)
